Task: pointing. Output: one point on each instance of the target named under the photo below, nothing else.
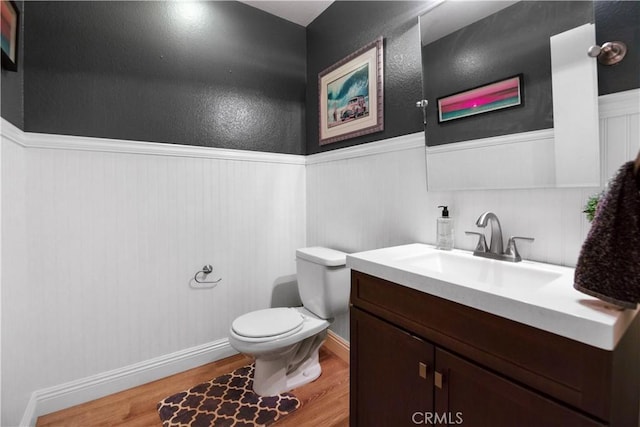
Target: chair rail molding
(84, 143)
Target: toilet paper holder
(206, 270)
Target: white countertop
(554, 307)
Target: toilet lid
(267, 323)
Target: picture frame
(351, 95)
(497, 95)
(10, 29)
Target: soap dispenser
(444, 238)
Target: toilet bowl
(285, 341)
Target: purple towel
(609, 264)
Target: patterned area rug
(224, 402)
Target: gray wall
(12, 82)
(619, 20)
(512, 41)
(490, 38)
(238, 78)
(345, 27)
(221, 74)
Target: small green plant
(592, 205)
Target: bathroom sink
(465, 268)
(533, 293)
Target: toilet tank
(323, 281)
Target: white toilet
(285, 341)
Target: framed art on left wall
(350, 95)
(10, 28)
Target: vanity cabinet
(417, 359)
(391, 382)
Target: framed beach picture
(351, 95)
(493, 96)
(10, 23)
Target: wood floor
(325, 402)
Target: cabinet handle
(422, 370)
(437, 380)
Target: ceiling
(302, 12)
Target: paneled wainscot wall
(101, 240)
(375, 195)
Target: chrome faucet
(495, 244)
(495, 250)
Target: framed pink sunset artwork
(505, 93)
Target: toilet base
(307, 372)
(299, 365)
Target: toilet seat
(268, 324)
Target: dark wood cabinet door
(391, 374)
(474, 397)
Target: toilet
(285, 341)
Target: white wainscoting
(0, 281)
(530, 159)
(619, 130)
(101, 239)
(359, 200)
(522, 160)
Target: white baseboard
(73, 393)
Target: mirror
(549, 137)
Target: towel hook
(610, 53)
(206, 270)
